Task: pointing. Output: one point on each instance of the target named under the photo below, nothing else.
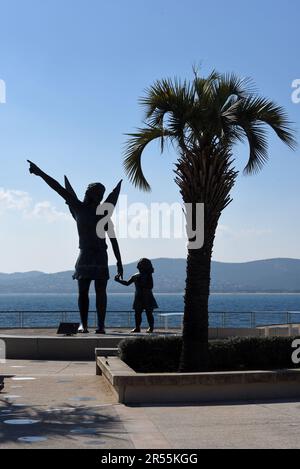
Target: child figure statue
(144, 299)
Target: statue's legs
(150, 319)
(101, 303)
(138, 320)
(83, 301)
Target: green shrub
(151, 354)
(161, 354)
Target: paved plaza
(65, 405)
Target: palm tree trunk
(194, 356)
(203, 176)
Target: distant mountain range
(273, 275)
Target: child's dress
(144, 298)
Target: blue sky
(74, 71)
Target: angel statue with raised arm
(92, 263)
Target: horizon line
(159, 259)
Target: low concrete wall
(229, 332)
(55, 348)
(139, 388)
(39, 347)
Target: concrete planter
(167, 388)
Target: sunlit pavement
(65, 405)
(69, 406)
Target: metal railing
(164, 319)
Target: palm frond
(133, 153)
(253, 115)
(230, 88)
(204, 87)
(258, 145)
(205, 114)
(276, 117)
(166, 96)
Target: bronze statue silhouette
(144, 298)
(92, 263)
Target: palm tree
(204, 118)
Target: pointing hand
(34, 169)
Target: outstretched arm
(124, 282)
(34, 169)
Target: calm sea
(268, 309)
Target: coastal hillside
(273, 275)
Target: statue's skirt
(92, 264)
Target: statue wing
(114, 195)
(69, 188)
(113, 200)
(71, 191)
